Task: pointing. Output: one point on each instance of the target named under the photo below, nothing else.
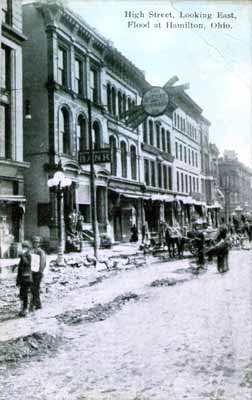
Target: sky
(217, 62)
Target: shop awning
(131, 195)
(12, 199)
(216, 205)
(168, 198)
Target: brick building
(12, 166)
(66, 63)
(235, 183)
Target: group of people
(29, 275)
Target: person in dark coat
(134, 234)
(24, 277)
(200, 244)
(38, 274)
(223, 246)
(169, 239)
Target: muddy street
(156, 332)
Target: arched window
(112, 142)
(124, 159)
(82, 142)
(168, 138)
(151, 132)
(96, 135)
(158, 134)
(129, 104)
(163, 139)
(124, 103)
(109, 97)
(145, 132)
(64, 131)
(113, 95)
(133, 162)
(119, 104)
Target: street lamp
(60, 182)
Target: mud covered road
(148, 331)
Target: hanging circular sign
(155, 101)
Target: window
(174, 119)
(62, 66)
(146, 172)
(165, 177)
(78, 83)
(153, 175)
(196, 159)
(193, 158)
(186, 183)
(151, 132)
(190, 183)
(113, 98)
(194, 184)
(168, 141)
(109, 98)
(189, 156)
(94, 85)
(6, 11)
(64, 131)
(159, 174)
(133, 161)
(145, 132)
(124, 103)
(5, 131)
(178, 121)
(170, 177)
(82, 142)
(112, 142)
(129, 103)
(163, 139)
(124, 159)
(180, 152)
(182, 182)
(96, 135)
(5, 76)
(119, 98)
(197, 184)
(178, 182)
(185, 154)
(176, 149)
(158, 135)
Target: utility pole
(92, 178)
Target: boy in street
(37, 271)
(24, 277)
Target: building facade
(235, 184)
(211, 193)
(149, 179)
(12, 165)
(68, 63)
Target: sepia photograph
(125, 200)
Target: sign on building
(100, 156)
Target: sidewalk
(117, 250)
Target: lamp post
(60, 182)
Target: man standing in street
(38, 264)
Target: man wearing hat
(24, 277)
(38, 264)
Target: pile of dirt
(26, 347)
(167, 282)
(99, 312)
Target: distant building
(12, 199)
(209, 174)
(235, 184)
